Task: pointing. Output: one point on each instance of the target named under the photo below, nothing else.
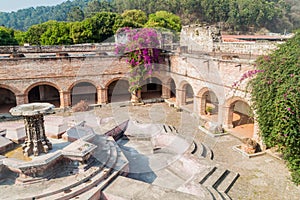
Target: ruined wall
(208, 39)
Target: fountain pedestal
(36, 141)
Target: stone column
(102, 97)
(21, 99)
(166, 92)
(180, 97)
(228, 117)
(202, 105)
(221, 113)
(65, 99)
(197, 101)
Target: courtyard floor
(264, 177)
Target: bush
(276, 99)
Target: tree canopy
(241, 15)
(7, 36)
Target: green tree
(215, 10)
(76, 14)
(96, 6)
(164, 19)
(136, 16)
(276, 98)
(56, 34)
(34, 33)
(7, 36)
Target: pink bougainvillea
(142, 48)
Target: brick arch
(168, 81)
(181, 94)
(82, 81)
(108, 82)
(234, 99)
(116, 92)
(10, 88)
(203, 100)
(183, 84)
(229, 112)
(78, 94)
(158, 76)
(169, 90)
(44, 96)
(154, 76)
(42, 83)
(8, 97)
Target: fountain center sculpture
(36, 141)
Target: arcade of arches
(238, 115)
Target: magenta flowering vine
(141, 47)
(246, 75)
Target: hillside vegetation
(235, 15)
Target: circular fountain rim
(32, 109)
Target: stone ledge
(207, 132)
(238, 149)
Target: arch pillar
(166, 92)
(21, 99)
(197, 101)
(180, 97)
(202, 105)
(221, 111)
(228, 117)
(102, 97)
(65, 99)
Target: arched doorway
(83, 91)
(7, 100)
(118, 91)
(189, 94)
(241, 118)
(152, 88)
(209, 104)
(44, 93)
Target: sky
(14, 5)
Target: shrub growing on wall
(276, 99)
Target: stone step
(228, 182)
(205, 151)
(193, 148)
(93, 181)
(215, 177)
(205, 174)
(119, 168)
(215, 194)
(113, 155)
(165, 128)
(218, 181)
(83, 187)
(67, 185)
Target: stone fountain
(36, 141)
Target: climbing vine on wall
(276, 99)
